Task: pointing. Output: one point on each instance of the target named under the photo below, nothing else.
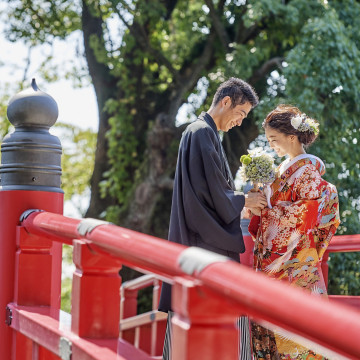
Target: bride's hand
(255, 211)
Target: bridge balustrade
(207, 301)
(209, 291)
(146, 330)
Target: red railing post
(129, 303)
(325, 268)
(30, 272)
(33, 263)
(95, 294)
(129, 309)
(203, 327)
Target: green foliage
(66, 286)
(144, 300)
(42, 23)
(123, 154)
(344, 273)
(66, 282)
(77, 159)
(39, 21)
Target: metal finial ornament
(34, 85)
(31, 156)
(32, 107)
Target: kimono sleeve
(311, 207)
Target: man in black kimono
(206, 208)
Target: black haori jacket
(205, 208)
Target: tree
(148, 58)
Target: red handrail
(133, 248)
(336, 327)
(344, 243)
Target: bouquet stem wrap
(267, 192)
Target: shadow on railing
(209, 293)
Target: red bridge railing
(206, 302)
(146, 330)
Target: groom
(206, 208)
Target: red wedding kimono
(291, 239)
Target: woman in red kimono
(292, 236)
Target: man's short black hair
(239, 92)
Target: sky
(76, 105)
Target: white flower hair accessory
(302, 122)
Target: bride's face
(279, 142)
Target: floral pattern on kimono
(290, 240)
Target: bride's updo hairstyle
(290, 120)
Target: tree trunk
(104, 85)
(156, 181)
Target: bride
(292, 236)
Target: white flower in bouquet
(257, 167)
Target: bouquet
(258, 167)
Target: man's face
(232, 116)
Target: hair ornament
(302, 122)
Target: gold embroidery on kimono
(290, 240)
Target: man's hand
(255, 200)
